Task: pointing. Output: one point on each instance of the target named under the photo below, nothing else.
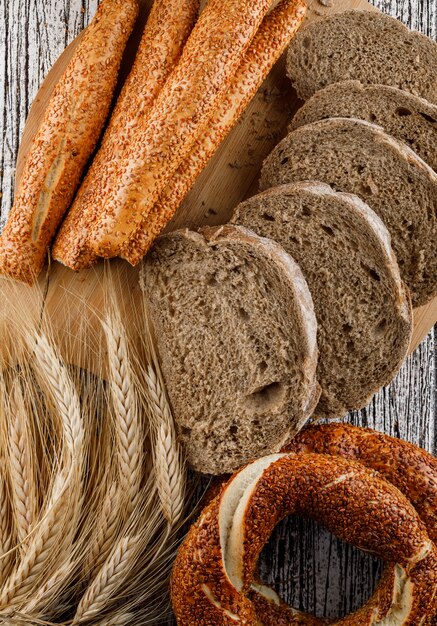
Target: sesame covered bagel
(214, 576)
(410, 468)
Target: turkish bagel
(214, 576)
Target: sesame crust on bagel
(214, 576)
(409, 468)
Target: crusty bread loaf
(236, 333)
(358, 157)
(409, 118)
(362, 308)
(366, 46)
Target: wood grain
(311, 569)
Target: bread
(409, 468)
(236, 333)
(362, 45)
(409, 118)
(358, 157)
(167, 29)
(362, 308)
(266, 47)
(210, 58)
(66, 138)
(214, 578)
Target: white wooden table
(310, 569)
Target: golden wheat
(21, 464)
(109, 579)
(128, 426)
(97, 536)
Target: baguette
(168, 26)
(209, 61)
(65, 140)
(268, 44)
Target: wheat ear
(44, 541)
(55, 532)
(23, 482)
(128, 426)
(169, 469)
(6, 555)
(106, 530)
(109, 579)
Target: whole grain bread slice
(236, 333)
(363, 45)
(362, 307)
(409, 118)
(358, 157)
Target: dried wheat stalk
(128, 426)
(169, 470)
(21, 465)
(6, 556)
(108, 581)
(107, 526)
(52, 538)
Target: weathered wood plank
(310, 569)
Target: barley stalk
(169, 470)
(23, 485)
(109, 579)
(128, 425)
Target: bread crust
(370, 46)
(209, 60)
(410, 468)
(212, 576)
(406, 117)
(266, 47)
(417, 260)
(68, 134)
(167, 29)
(401, 303)
(305, 397)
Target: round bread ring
(213, 575)
(409, 468)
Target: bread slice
(409, 118)
(362, 45)
(236, 332)
(362, 307)
(358, 157)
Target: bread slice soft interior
(408, 118)
(358, 157)
(236, 332)
(362, 307)
(362, 45)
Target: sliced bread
(358, 157)
(362, 45)
(408, 118)
(236, 332)
(362, 307)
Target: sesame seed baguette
(168, 26)
(267, 46)
(193, 91)
(65, 140)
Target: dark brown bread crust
(352, 501)
(411, 469)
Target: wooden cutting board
(69, 298)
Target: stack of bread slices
(302, 305)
